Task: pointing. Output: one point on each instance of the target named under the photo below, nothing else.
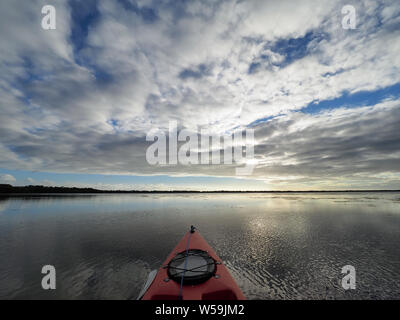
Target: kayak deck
(192, 271)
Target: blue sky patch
(84, 14)
(295, 48)
(181, 183)
(362, 98)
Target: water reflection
(286, 246)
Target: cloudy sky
(77, 102)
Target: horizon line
(7, 188)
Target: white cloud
(7, 178)
(58, 104)
(30, 180)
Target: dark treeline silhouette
(9, 189)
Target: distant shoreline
(32, 190)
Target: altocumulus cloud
(81, 98)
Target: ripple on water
(276, 247)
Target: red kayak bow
(192, 271)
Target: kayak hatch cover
(192, 271)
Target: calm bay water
(277, 246)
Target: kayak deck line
(192, 271)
